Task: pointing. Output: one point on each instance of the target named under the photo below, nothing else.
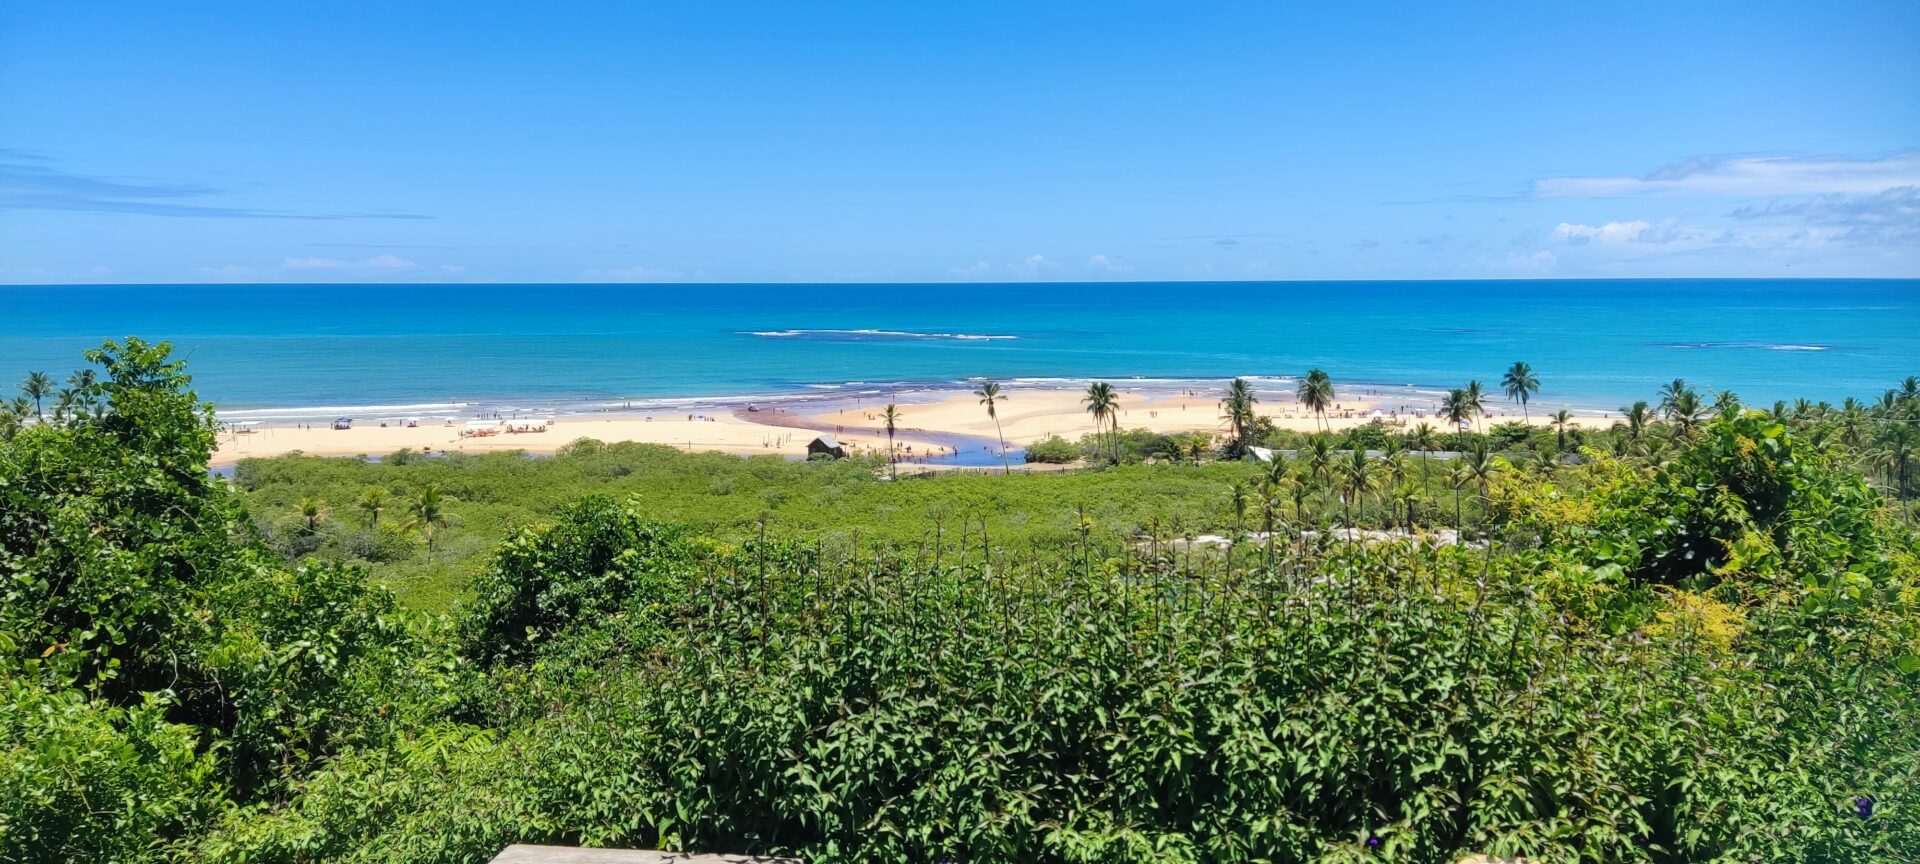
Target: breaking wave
(1745, 346)
(868, 335)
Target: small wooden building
(826, 446)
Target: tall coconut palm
(1458, 478)
(38, 386)
(1726, 402)
(1686, 412)
(1898, 441)
(1479, 466)
(891, 417)
(1637, 415)
(1561, 419)
(1238, 411)
(1356, 478)
(1457, 408)
(1104, 404)
(991, 397)
(428, 514)
(1317, 462)
(1394, 473)
(1316, 393)
(372, 502)
(66, 404)
(1520, 384)
(1671, 392)
(1476, 397)
(1424, 440)
(1910, 387)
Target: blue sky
(483, 141)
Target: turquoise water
(1593, 343)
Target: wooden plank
(522, 853)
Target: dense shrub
(598, 559)
(887, 708)
(1700, 643)
(81, 780)
(1053, 450)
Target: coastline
(942, 424)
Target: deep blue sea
(1593, 343)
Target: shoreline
(942, 425)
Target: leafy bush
(1053, 450)
(599, 559)
(84, 781)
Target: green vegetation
(1692, 638)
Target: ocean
(308, 350)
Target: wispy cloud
(29, 182)
(377, 262)
(1748, 177)
(1891, 216)
(632, 274)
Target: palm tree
(1316, 393)
(429, 514)
(1898, 441)
(1408, 497)
(1394, 473)
(313, 511)
(1104, 405)
(1910, 387)
(38, 386)
(1478, 465)
(1238, 410)
(1456, 407)
(1636, 416)
(1423, 440)
(372, 502)
(990, 396)
(1686, 411)
(1671, 392)
(65, 404)
(891, 417)
(1726, 402)
(1561, 419)
(1317, 459)
(1476, 401)
(1520, 384)
(1356, 475)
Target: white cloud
(1538, 262)
(314, 264)
(1103, 264)
(976, 269)
(377, 262)
(228, 271)
(1612, 232)
(1891, 217)
(631, 274)
(1748, 177)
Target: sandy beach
(933, 423)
